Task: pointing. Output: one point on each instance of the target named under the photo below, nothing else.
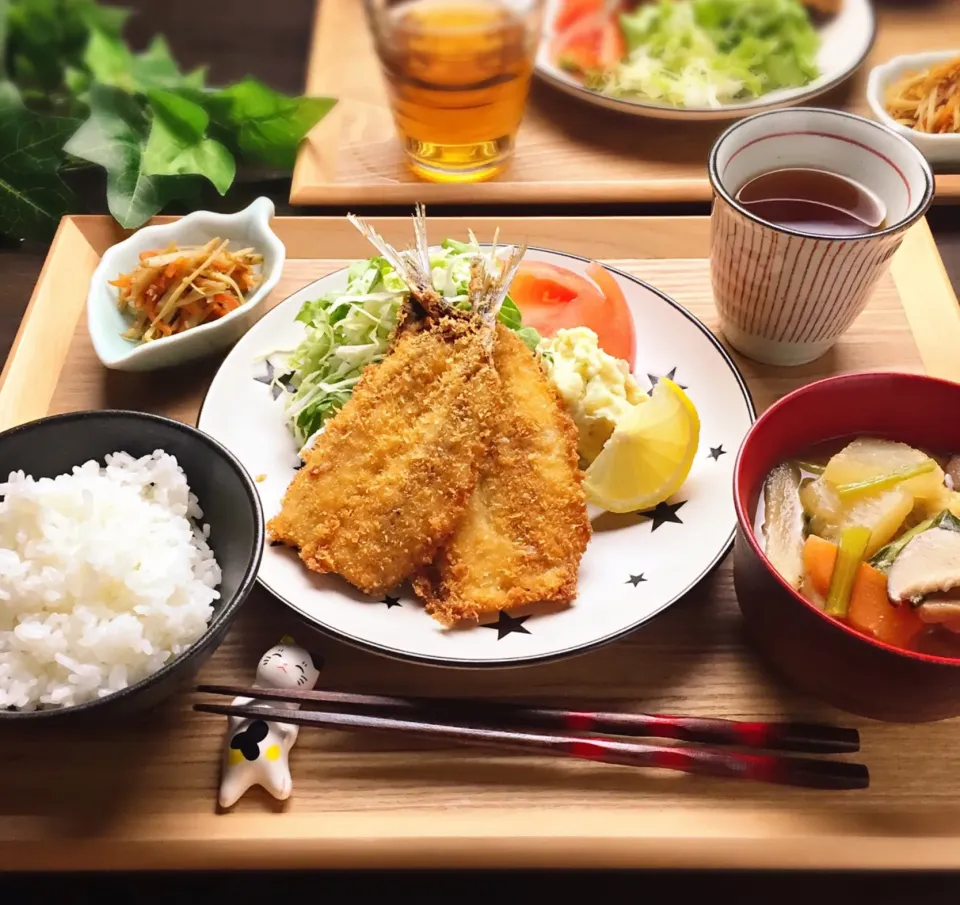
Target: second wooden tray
(142, 794)
(567, 151)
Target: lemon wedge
(649, 454)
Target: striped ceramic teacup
(785, 296)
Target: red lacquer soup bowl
(820, 656)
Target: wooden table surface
(274, 48)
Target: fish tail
(490, 281)
(408, 271)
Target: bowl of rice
(128, 543)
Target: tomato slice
(552, 298)
(592, 43)
(572, 10)
(617, 337)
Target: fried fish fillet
(387, 481)
(526, 527)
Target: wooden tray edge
(672, 191)
(313, 182)
(33, 367)
(304, 192)
(308, 166)
(929, 302)
(36, 359)
(438, 839)
(571, 837)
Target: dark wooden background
(269, 39)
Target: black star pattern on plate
(508, 624)
(663, 513)
(635, 579)
(275, 388)
(670, 375)
(391, 602)
(716, 452)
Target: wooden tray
(567, 150)
(143, 795)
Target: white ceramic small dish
(105, 323)
(938, 149)
(846, 40)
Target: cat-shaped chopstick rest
(257, 752)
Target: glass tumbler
(458, 74)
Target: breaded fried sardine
(389, 478)
(526, 527)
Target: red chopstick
(791, 771)
(807, 738)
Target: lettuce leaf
(706, 53)
(348, 330)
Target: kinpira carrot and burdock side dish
(176, 289)
(927, 101)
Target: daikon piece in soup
(868, 531)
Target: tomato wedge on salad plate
(636, 564)
(590, 42)
(702, 59)
(551, 298)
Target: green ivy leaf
(158, 131)
(115, 121)
(111, 62)
(196, 78)
(167, 154)
(178, 144)
(156, 68)
(266, 126)
(4, 33)
(113, 137)
(33, 198)
(9, 96)
(77, 82)
(182, 116)
(45, 36)
(109, 19)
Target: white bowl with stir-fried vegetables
(848, 552)
(175, 292)
(916, 95)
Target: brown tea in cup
(813, 201)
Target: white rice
(104, 577)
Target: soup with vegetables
(869, 532)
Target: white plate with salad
(294, 369)
(703, 59)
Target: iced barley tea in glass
(457, 73)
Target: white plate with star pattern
(635, 566)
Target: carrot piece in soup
(870, 609)
(819, 559)
(872, 613)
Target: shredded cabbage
(706, 53)
(346, 331)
